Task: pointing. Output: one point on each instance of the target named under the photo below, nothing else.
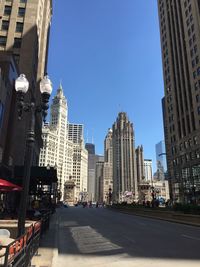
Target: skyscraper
(161, 160)
(108, 167)
(180, 39)
(124, 161)
(24, 31)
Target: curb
(157, 218)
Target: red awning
(6, 186)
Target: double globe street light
(21, 87)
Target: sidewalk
(48, 245)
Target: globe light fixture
(21, 87)
(21, 84)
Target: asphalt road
(101, 237)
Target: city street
(102, 237)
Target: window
(7, 10)
(3, 40)
(21, 12)
(198, 110)
(4, 25)
(17, 42)
(197, 59)
(23, 1)
(19, 27)
(198, 71)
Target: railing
(20, 252)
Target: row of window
(21, 1)
(17, 41)
(185, 145)
(8, 10)
(5, 26)
(186, 158)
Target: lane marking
(191, 237)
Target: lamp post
(21, 87)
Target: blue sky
(107, 54)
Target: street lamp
(21, 87)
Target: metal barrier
(20, 252)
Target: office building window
(3, 40)
(19, 27)
(17, 42)
(5, 25)
(21, 12)
(7, 10)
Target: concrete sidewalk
(48, 245)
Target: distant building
(80, 159)
(108, 167)
(161, 160)
(148, 170)
(70, 158)
(124, 161)
(99, 180)
(90, 148)
(57, 151)
(80, 169)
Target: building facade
(99, 180)
(180, 44)
(80, 159)
(148, 170)
(124, 161)
(140, 164)
(57, 150)
(108, 168)
(8, 73)
(24, 31)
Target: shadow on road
(102, 232)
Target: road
(88, 237)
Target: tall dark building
(24, 32)
(180, 44)
(90, 148)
